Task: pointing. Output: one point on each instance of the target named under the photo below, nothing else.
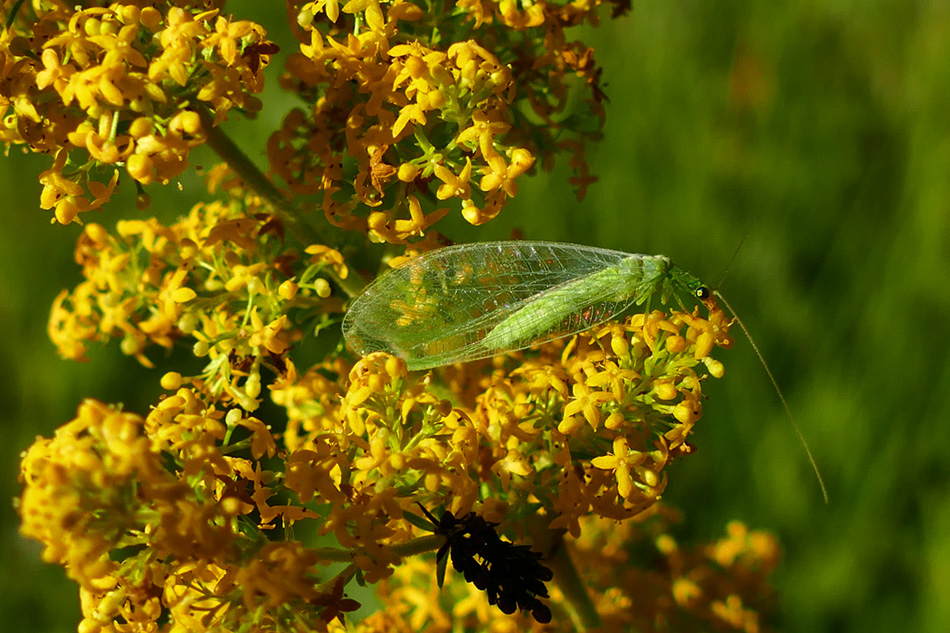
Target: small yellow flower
(585, 401)
(330, 7)
(686, 592)
(482, 132)
(54, 73)
(533, 15)
(623, 461)
(501, 175)
(227, 37)
(454, 185)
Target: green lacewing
(472, 301)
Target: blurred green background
(819, 130)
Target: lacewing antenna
(725, 271)
(765, 366)
(781, 396)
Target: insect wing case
(445, 305)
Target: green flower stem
(419, 545)
(254, 178)
(410, 548)
(334, 554)
(577, 601)
(12, 17)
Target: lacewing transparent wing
(473, 301)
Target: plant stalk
(577, 600)
(256, 180)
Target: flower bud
(171, 381)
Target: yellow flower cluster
(218, 276)
(402, 114)
(405, 104)
(583, 428)
(190, 536)
(721, 586)
(124, 84)
(577, 429)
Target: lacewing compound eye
(473, 301)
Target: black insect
(512, 575)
